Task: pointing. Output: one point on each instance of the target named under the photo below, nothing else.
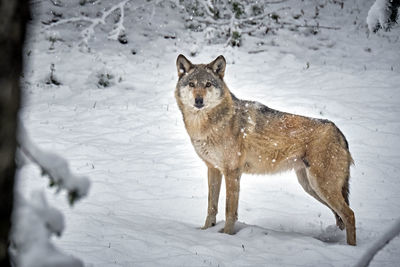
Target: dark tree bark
(13, 17)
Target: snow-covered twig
(311, 26)
(55, 167)
(382, 14)
(211, 22)
(207, 7)
(34, 221)
(231, 25)
(228, 22)
(391, 233)
(88, 32)
(119, 29)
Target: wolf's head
(200, 86)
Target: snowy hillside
(100, 92)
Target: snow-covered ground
(148, 195)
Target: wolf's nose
(198, 102)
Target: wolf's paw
(340, 223)
(210, 222)
(206, 226)
(229, 232)
(229, 228)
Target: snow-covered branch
(382, 14)
(119, 29)
(55, 167)
(231, 27)
(34, 221)
(230, 21)
(391, 233)
(207, 7)
(88, 32)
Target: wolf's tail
(345, 145)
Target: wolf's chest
(207, 150)
(219, 152)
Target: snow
(148, 197)
(388, 235)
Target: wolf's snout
(198, 102)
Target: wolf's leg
(336, 201)
(214, 186)
(330, 190)
(232, 181)
(329, 172)
(303, 180)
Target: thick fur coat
(234, 136)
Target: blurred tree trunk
(13, 17)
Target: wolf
(234, 136)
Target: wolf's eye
(208, 84)
(191, 84)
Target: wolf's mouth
(199, 106)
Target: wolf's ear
(218, 66)
(183, 65)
